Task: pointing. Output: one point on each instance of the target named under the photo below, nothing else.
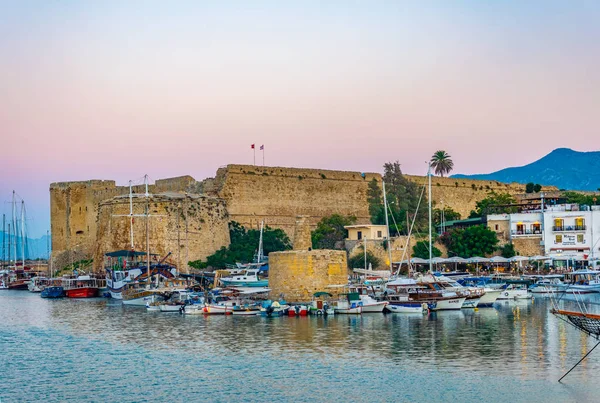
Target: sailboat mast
(429, 205)
(9, 244)
(23, 233)
(387, 224)
(3, 239)
(14, 220)
(147, 229)
(131, 214)
(260, 243)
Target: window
(379, 235)
(536, 228)
(579, 223)
(579, 238)
(359, 235)
(558, 224)
(520, 229)
(496, 227)
(558, 239)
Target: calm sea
(98, 350)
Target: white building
(564, 232)
(369, 231)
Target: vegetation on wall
(421, 250)
(446, 213)
(472, 241)
(494, 203)
(358, 260)
(244, 246)
(330, 231)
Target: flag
(262, 147)
(252, 146)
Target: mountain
(34, 248)
(563, 168)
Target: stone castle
(188, 218)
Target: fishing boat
(320, 305)
(423, 309)
(274, 308)
(37, 284)
(350, 305)
(246, 310)
(248, 278)
(548, 284)
(409, 293)
(83, 286)
(515, 289)
(53, 291)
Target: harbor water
(98, 350)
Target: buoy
(476, 309)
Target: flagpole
(254, 151)
(263, 150)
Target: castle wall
(278, 195)
(190, 227)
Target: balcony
(526, 232)
(566, 228)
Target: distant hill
(563, 168)
(34, 248)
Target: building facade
(564, 233)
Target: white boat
(246, 311)
(217, 309)
(346, 307)
(489, 297)
(549, 284)
(248, 278)
(37, 284)
(370, 304)
(194, 309)
(408, 309)
(139, 297)
(515, 291)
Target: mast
(23, 233)
(147, 231)
(3, 239)
(365, 247)
(9, 245)
(429, 205)
(260, 243)
(14, 220)
(387, 224)
(131, 214)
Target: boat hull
(376, 307)
(169, 308)
(246, 312)
(348, 311)
(217, 309)
(83, 292)
(488, 299)
(470, 303)
(234, 283)
(514, 294)
(140, 301)
(447, 304)
(408, 309)
(53, 292)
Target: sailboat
(250, 274)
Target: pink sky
(114, 90)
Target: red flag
(252, 146)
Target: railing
(527, 232)
(569, 228)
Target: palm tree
(441, 163)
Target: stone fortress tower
(298, 274)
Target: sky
(119, 89)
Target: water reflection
(516, 339)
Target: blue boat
(53, 292)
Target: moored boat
(408, 309)
(53, 291)
(83, 286)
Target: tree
(402, 197)
(529, 187)
(537, 188)
(330, 230)
(244, 245)
(580, 198)
(507, 250)
(375, 200)
(421, 250)
(494, 203)
(358, 260)
(441, 163)
(447, 214)
(478, 240)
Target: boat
(423, 309)
(515, 289)
(548, 284)
(581, 282)
(350, 305)
(83, 286)
(53, 291)
(274, 308)
(248, 278)
(409, 293)
(37, 284)
(489, 297)
(319, 305)
(246, 310)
